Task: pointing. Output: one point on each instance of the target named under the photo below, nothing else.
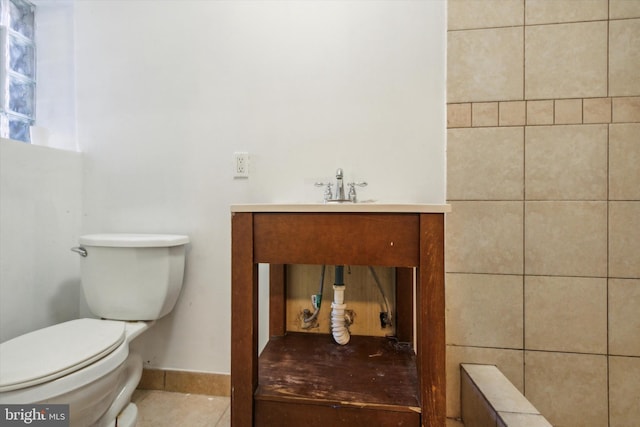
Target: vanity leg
(430, 332)
(244, 320)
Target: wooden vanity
(308, 380)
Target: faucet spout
(339, 185)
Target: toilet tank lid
(134, 240)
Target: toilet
(129, 281)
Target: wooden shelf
(369, 371)
(307, 376)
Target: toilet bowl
(84, 363)
(87, 363)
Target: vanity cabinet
(307, 379)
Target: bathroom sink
(362, 207)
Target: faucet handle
(328, 194)
(352, 189)
(359, 184)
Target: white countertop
(343, 207)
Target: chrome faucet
(339, 185)
(340, 196)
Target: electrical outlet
(241, 164)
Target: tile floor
(161, 408)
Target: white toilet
(129, 279)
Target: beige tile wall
(570, 389)
(624, 377)
(485, 310)
(566, 60)
(551, 12)
(497, 53)
(543, 244)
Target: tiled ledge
(489, 398)
(185, 382)
(544, 112)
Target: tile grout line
(524, 195)
(608, 206)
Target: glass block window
(18, 69)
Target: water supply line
(339, 327)
(388, 315)
(316, 302)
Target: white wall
(168, 90)
(40, 215)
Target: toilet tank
(132, 276)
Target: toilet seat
(56, 351)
